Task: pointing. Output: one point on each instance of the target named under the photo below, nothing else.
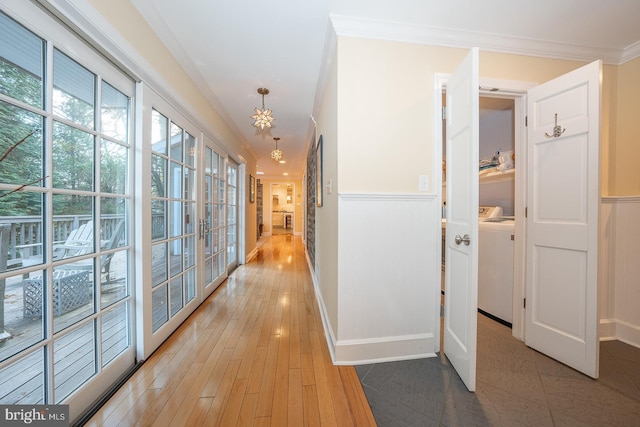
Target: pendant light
(276, 154)
(262, 117)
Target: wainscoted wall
(388, 288)
(620, 269)
(389, 276)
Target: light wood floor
(253, 354)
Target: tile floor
(516, 386)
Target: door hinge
(525, 303)
(526, 121)
(513, 237)
(444, 113)
(526, 212)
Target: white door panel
(461, 273)
(562, 223)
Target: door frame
(517, 91)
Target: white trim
(424, 34)
(620, 199)
(387, 349)
(628, 333)
(385, 196)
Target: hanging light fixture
(262, 116)
(276, 155)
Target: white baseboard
(607, 330)
(386, 349)
(251, 255)
(628, 333)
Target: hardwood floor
(253, 354)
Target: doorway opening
(501, 184)
(282, 208)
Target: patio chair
(79, 242)
(105, 261)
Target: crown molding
(422, 34)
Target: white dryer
(495, 267)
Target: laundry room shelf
(493, 175)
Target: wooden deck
(74, 352)
(253, 354)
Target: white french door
(562, 221)
(461, 247)
(232, 215)
(167, 170)
(213, 219)
(66, 187)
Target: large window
(65, 197)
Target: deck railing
(28, 230)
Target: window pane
(73, 225)
(73, 287)
(21, 63)
(208, 189)
(176, 142)
(73, 91)
(158, 264)
(21, 141)
(74, 360)
(160, 313)
(159, 125)
(189, 218)
(176, 181)
(113, 265)
(190, 149)
(176, 295)
(114, 167)
(115, 332)
(22, 315)
(158, 176)
(158, 219)
(114, 286)
(190, 285)
(73, 155)
(176, 219)
(189, 184)
(232, 176)
(115, 113)
(22, 382)
(175, 258)
(24, 231)
(190, 251)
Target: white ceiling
(232, 48)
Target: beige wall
(326, 233)
(385, 103)
(626, 144)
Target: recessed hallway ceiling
(230, 49)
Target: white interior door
(461, 249)
(562, 221)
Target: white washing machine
(495, 267)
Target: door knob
(466, 239)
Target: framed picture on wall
(252, 189)
(319, 173)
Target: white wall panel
(389, 286)
(622, 235)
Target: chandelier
(276, 155)
(262, 116)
